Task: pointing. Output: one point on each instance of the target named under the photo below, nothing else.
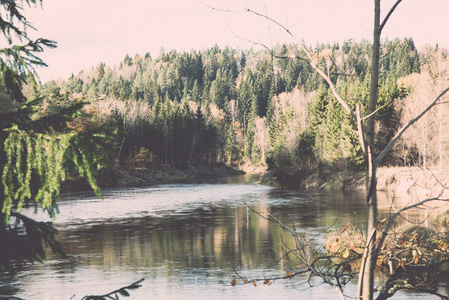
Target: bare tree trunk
(166, 141)
(120, 150)
(424, 152)
(366, 287)
(192, 148)
(440, 138)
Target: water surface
(186, 240)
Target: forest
(291, 108)
(235, 107)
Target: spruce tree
(38, 148)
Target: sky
(92, 31)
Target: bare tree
(261, 135)
(429, 134)
(367, 133)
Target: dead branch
(380, 28)
(379, 108)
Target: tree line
(232, 106)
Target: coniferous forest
(234, 107)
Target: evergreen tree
(195, 93)
(38, 150)
(263, 86)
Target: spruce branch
(115, 294)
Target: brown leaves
(401, 263)
(233, 282)
(443, 246)
(245, 280)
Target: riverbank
(406, 183)
(156, 174)
(119, 176)
(402, 183)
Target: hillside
(236, 107)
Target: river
(186, 240)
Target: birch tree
(261, 136)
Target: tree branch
(374, 112)
(388, 16)
(405, 127)
(219, 9)
(271, 20)
(393, 217)
(360, 129)
(303, 48)
(331, 84)
(122, 291)
(310, 266)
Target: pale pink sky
(93, 31)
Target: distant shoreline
(405, 183)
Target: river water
(186, 240)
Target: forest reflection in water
(185, 239)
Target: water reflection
(186, 240)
